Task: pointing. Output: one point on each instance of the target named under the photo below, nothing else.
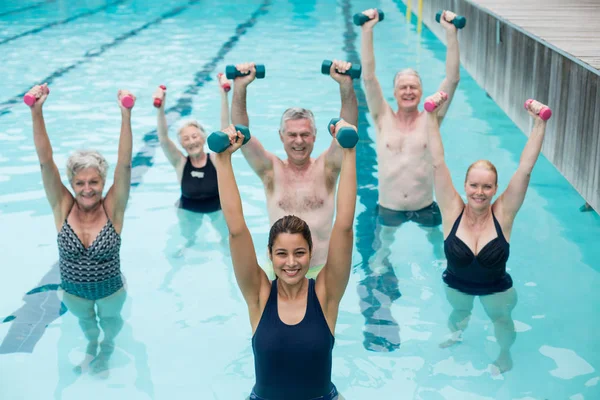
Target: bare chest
(298, 193)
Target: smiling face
(192, 140)
(290, 257)
(480, 187)
(298, 137)
(88, 187)
(407, 91)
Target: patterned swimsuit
(92, 273)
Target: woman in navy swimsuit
(293, 318)
(477, 234)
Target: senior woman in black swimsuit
(477, 233)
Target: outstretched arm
(250, 277)
(174, 155)
(448, 198)
(349, 113)
(375, 100)
(335, 274)
(450, 82)
(58, 195)
(259, 159)
(118, 195)
(509, 203)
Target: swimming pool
(187, 331)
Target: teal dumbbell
(354, 71)
(346, 136)
(360, 18)
(459, 21)
(231, 72)
(219, 141)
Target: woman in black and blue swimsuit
(477, 234)
(292, 318)
(89, 231)
(196, 173)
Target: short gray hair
(294, 113)
(407, 71)
(83, 159)
(191, 122)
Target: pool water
(187, 332)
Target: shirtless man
(405, 169)
(300, 185)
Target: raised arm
(334, 277)
(446, 195)
(174, 155)
(375, 100)
(58, 195)
(509, 203)
(259, 159)
(224, 87)
(250, 277)
(450, 82)
(118, 194)
(348, 112)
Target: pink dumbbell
(430, 105)
(158, 100)
(224, 82)
(30, 99)
(127, 101)
(545, 113)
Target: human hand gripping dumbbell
(343, 132)
(219, 141)
(36, 96)
(245, 73)
(126, 99)
(433, 102)
(368, 18)
(159, 96)
(224, 83)
(537, 109)
(340, 70)
(448, 16)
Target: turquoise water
(187, 332)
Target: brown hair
(290, 224)
(485, 164)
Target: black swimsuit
(481, 274)
(199, 188)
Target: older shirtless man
(300, 185)
(405, 169)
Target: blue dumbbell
(219, 141)
(360, 18)
(354, 71)
(459, 21)
(346, 136)
(231, 71)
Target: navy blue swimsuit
(481, 274)
(199, 188)
(293, 362)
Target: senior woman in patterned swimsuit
(89, 228)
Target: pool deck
(571, 27)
